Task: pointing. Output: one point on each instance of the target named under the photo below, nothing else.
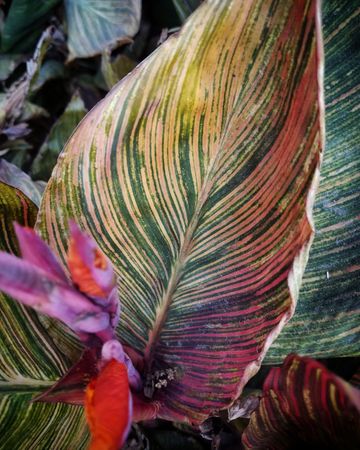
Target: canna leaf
(30, 360)
(196, 176)
(94, 25)
(327, 319)
(305, 405)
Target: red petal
(108, 407)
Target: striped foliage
(94, 25)
(196, 176)
(327, 318)
(305, 406)
(30, 358)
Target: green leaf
(30, 359)
(185, 7)
(327, 319)
(59, 134)
(196, 175)
(24, 24)
(32, 111)
(15, 177)
(94, 25)
(305, 406)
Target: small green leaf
(59, 134)
(94, 25)
(49, 70)
(32, 111)
(8, 63)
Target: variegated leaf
(327, 319)
(196, 175)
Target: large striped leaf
(29, 358)
(94, 25)
(196, 175)
(327, 319)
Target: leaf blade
(159, 174)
